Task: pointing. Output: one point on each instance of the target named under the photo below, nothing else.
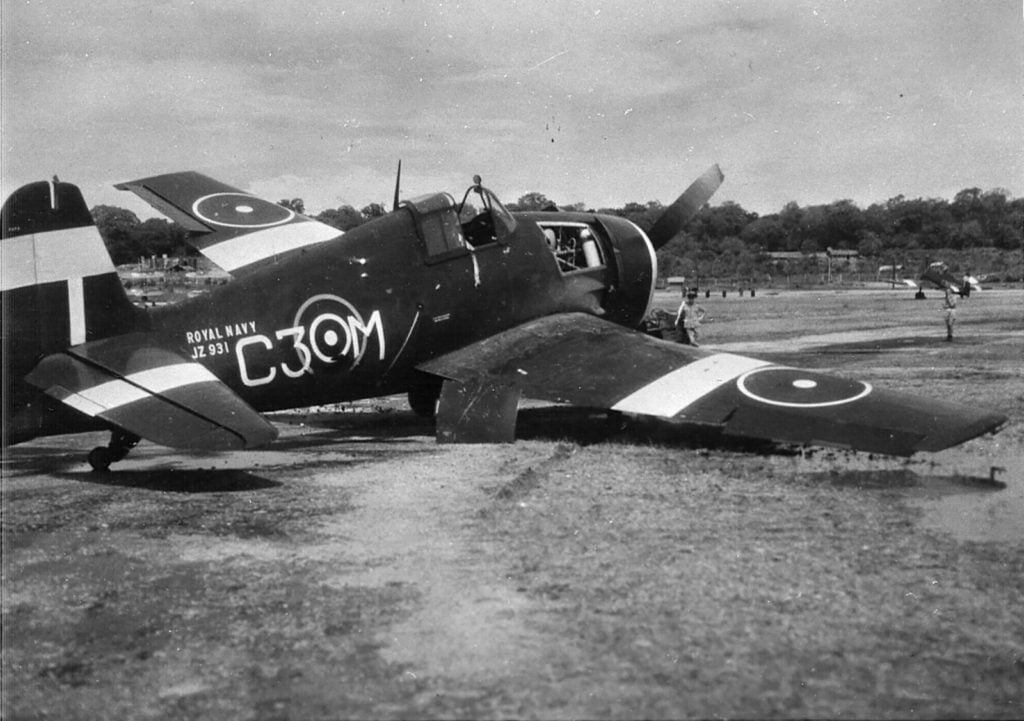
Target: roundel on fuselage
(240, 210)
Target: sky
(595, 102)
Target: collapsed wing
(236, 230)
(583, 360)
(153, 393)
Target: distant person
(688, 319)
(949, 308)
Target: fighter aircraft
(466, 318)
(936, 274)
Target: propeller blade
(685, 206)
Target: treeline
(720, 240)
(127, 238)
(980, 231)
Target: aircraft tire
(100, 459)
(423, 400)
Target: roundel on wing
(796, 388)
(240, 210)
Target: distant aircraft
(466, 318)
(936, 274)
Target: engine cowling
(635, 270)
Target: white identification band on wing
(135, 386)
(670, 394)
(52, 256)
(261, 244)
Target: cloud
(601, 102)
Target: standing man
(688, 318)
(949, 307)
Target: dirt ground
(355, 569)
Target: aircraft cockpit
(493, 224)
(437, 221)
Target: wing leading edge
(582, 360)
(153, 393)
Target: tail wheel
(100, 459)
(121, 442)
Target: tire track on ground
(419, 525)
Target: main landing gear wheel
(120, 444)
(423, 399)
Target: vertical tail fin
(59, 286)
(59, 283)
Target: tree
(532, 201)
(727, 219)
(790, 216)
(112, 221)
(767, 233)
(966, 204)
(115, 226)
(843, 223)
(343, 218)
(814, 227)
(1009, 235)
(294, 204)
(373, 210)
(968, 235)
(643, 214)
(157, 236)
(809, 246)
(870, 245)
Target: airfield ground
(354, 569)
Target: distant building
(831, 257)
(791, 255)
(841, 255)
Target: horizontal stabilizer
(582, 360)
(236, 230)
(153, 393)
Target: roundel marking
(240, 210)
(330, 336)
(793, 388)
